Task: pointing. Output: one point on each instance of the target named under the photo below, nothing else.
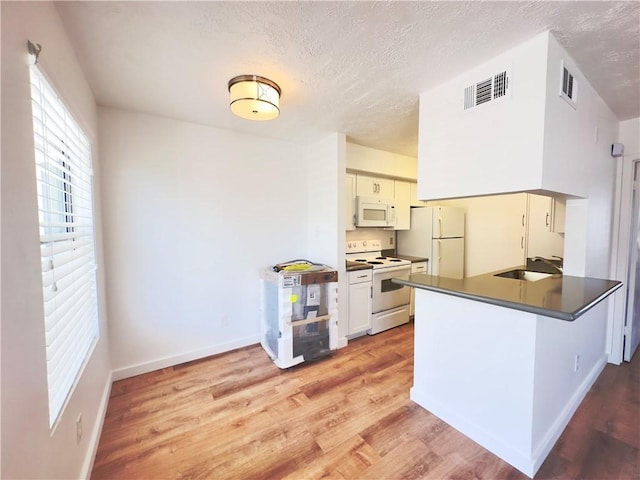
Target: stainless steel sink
(520, 274)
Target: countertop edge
(567, 316)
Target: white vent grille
(568, 86)
(492, 88)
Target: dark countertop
(412, 259)
(353, 266)
(558, 296)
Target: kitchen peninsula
(508, 361)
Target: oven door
(387, 294)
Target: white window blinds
(64, 180)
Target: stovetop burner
(375, 258)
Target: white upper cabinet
(504, 127)
(350, 202)
(542, 240)
(402, 197)
(559, 210)
(374, 186)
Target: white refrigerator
(437, 233)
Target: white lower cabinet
(417, 267)
(360, 307)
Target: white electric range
(390, 301)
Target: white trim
(545, 445)
(157, 364)
(621, 256)
(96, 431)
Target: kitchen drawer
(419, 267)
(359, 276)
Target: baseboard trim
(545, 445)
(146, 367)
(96, 431)
(470, 429)
(527, 464)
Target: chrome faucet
(548, 262)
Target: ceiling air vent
(568, 86)
(492, 88)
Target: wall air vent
(487, 90)
(568, 86)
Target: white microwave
(375, 212)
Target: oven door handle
(392, 269)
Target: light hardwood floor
(237, 416)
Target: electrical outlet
(79, 428)
(390, 240)
(576, 364)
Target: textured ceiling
(351, 67)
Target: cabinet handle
(523, 219)
(370, 292)
(354, 219)
(521, 242)
(546, 220)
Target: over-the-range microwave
(375, 212)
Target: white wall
(585, 160)
(326, 161)
(29, 449)
(531, 141)
(492, 148)
(192, 216)
(520, 423)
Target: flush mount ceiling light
(254, 97)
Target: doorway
(632, 314)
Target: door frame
(621, 255)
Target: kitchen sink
(520, 274)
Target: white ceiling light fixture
(254, 98)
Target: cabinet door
(374, 186)
(402, 191)
(350, 202)
(359, 307)
(541, 240)
(559, 215)
(386, 187)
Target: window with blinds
(64, 181)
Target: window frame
(64, 177)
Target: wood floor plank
(348, 416)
